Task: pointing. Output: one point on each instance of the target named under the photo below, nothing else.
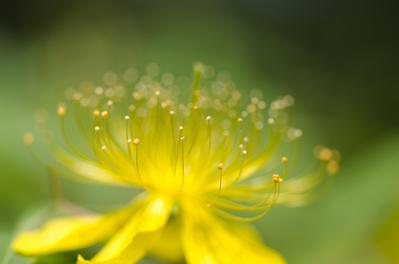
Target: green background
(339, 59)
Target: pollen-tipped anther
(284, 160)
(325, 154)
(270, 121)
(277, 178)
(104, 114)
(28, 138)
(61, 110)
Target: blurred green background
(339, 59)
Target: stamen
(220, 168)
(332, 167)
(28, 138)
(110, 103)
(128, 139)
(136, 143)
(258, 207)
(174, 147)
(61, 110)
(96, 113)
(284, 161)
(181, 138)
(244, 153)
(97, 140)
(270, 121)
(277, 178)
(104, 114)
(208, 121)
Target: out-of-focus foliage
(342, 227)
(387, 238)
(339, 59)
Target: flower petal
(169, 247)
(133, 240)
(207, 240)
(69, 233)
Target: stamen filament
(182, 159)
(220, 168)
(136, 143)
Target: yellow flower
(205, 166)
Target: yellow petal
(169, 247)
(132, 241)
(70, 233)
(208, 240)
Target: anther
(208, 118)
(103, 148)
(127, 117)
(244, 152)
(61, 110)
(96, 113)
(129, 140)
(220, 166)
(284, 160)
(277, 178)
(294, 133)
(104, 114)
(110, 103)
(332, 167)
(157, 93)
(171, 112)
(239, 120)
(96, 128)
(99, 90)
(325, 154)
(28, 138)
(270, 121)
(136, 141)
